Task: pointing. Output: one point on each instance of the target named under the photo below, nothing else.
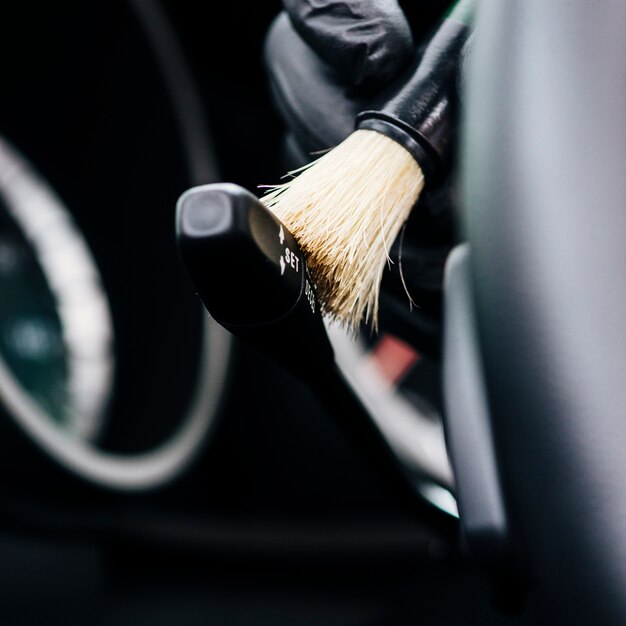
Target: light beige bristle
(345, 210)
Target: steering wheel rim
(544, 191)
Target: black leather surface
(545, 191)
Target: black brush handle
(419, 110)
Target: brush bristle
(345, 210)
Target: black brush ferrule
(427, 158)
(420, 109)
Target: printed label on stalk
(291, 259)
(310, 295)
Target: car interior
(462, 464)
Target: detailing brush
(346, 208)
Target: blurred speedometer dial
(56, 337)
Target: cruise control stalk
(252, 278)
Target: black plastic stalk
(251, 275)
(253, 280)
(419, 110)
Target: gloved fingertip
(368, 42)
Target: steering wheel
(544, 192)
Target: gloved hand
(327, 58)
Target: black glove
(327, 58)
